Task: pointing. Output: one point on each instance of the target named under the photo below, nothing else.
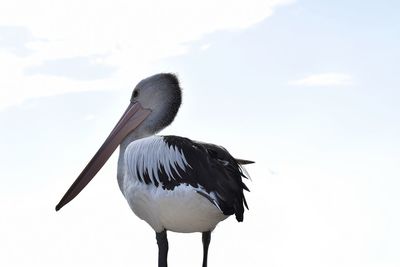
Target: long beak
(134, 115)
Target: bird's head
(162, 95)
(154, 104)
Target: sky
(307, 89)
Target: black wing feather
(212, 168)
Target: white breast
(181, 209)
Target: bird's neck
(122, 148)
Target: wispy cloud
(16, 39)
(133, 35)
(205, 46)
(324, 79)
(77, 68)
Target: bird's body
(171, 182)
(168, 183)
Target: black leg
(162, 243)
(206, 242)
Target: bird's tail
(244, 161)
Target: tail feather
(244, 161)
(239, 210)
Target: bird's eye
(135, 94)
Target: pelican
(171, 182)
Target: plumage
(177, 169)
(171, 182)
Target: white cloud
(205, 46)
(129, 36)
(324, 79)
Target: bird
(173, 183)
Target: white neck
(135, 135)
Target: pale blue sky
(311, 93)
